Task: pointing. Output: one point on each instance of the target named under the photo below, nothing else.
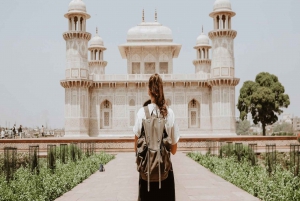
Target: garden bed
(49, 184)
(280, 184)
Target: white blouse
(171, 125)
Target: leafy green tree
(263, 98)
(243, 127)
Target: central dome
(150, 31)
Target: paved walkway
(120, 182)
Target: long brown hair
(157, 91)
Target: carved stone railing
(145, 77)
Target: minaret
(97, 70)
(76, 82)
(202, 62)
(222, 79)
(96, 64)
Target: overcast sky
(33, 51)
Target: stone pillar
(70, 24)
(73, 24)
(226, 22)
(215, 22)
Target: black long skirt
(166, 193)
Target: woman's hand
(135, 141)
(173, 148)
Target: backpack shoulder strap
(147, 113)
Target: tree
(263, 98)
(243, 127)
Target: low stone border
(126, 144)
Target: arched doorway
(194, 114)
(106, 112)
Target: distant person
(42, 130)
(2, 133)
(6, 132)
(14, 131)
(20, 131)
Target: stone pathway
(120, 182)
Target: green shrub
(282, 185)
(48, 186)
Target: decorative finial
(202, 28)
(155, 15)
(97, 30)
(143, 17)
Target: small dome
(77, 6)
(96, 41)
(150, 31)
(202, 39)
(222, 5)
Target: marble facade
(98, 104)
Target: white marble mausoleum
(98, 104)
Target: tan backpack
(153, 149)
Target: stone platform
(120, 183)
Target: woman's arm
(135, 141)
(173, 148)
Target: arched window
(106, 113)
(218, 22)
(194, 114)
(106, 104)
(131, 102)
